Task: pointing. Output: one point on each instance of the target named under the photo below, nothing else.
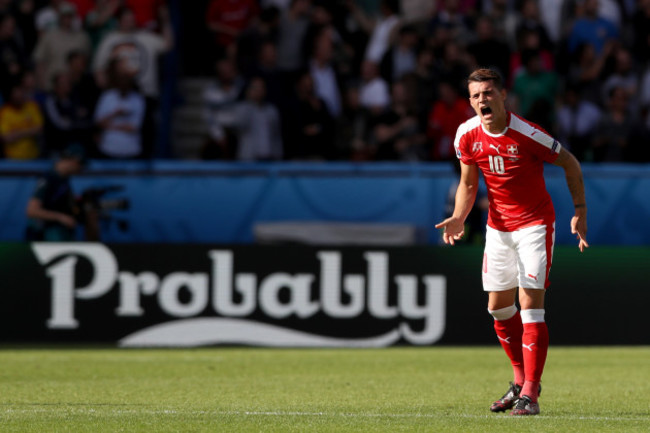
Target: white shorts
(518, 259)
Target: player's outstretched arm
(465, 196)
(576, 185)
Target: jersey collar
(502, 133)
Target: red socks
(510, 333)
(535, 348)
(524, 337)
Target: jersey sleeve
(539, 142)
(461, 146)
(545, 147)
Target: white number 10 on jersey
(497, 165)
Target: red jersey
(145, 11)
(512, 164)
(236, 14)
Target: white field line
(113, 411)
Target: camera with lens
(93, 201)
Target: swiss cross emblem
(512, 149)
(476, 147)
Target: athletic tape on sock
(504, 313)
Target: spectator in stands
(612, 10)
(139, 47)
(417, 12)
(624, 76)
(328, 20)
(219, 102)
(374, 93)
(325, 77)
(265, 30)
(592, 29)
(25, 15)
(292, 30)
(258, 126)
(267, 69)
(120, 113)
(12, 54)
(353, 128)
(401, 58)
(32, 91)
(66, 122)
(83, 7)
(557, 17)
(577, 120)
(445, 117)
(535, 90)
(47, 17)
(21, 125)
(530, 23)
(617, 131)
(644, 96)
(54, 46)
(530, 40)
(147, 13)
(488, 50)
(396, 134)
(227, 19)
(312, 128)
(452, 65)
(426, 82)
(586, 69)
(84, 90)
(451, 22)
(381, 31)
(503, 18)
(101, 20)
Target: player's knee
(504, 313)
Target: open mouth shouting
(486, 112)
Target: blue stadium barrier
(215, 202)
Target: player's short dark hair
(483, 75)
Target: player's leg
(500, 281)
(509, 330)
(535, 348)
(535, 246)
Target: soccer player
(510, 152)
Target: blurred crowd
(385, 80)
(357, 80)
(80, 72)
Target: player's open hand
(454, 230)
(579, 228)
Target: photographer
(53, 211)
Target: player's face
(488, 102)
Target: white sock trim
(504, 313)
(532, 316)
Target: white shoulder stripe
(465, 127)
(533, 133)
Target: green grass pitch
(436, 389)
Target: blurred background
(323, 122)
(207, 118)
